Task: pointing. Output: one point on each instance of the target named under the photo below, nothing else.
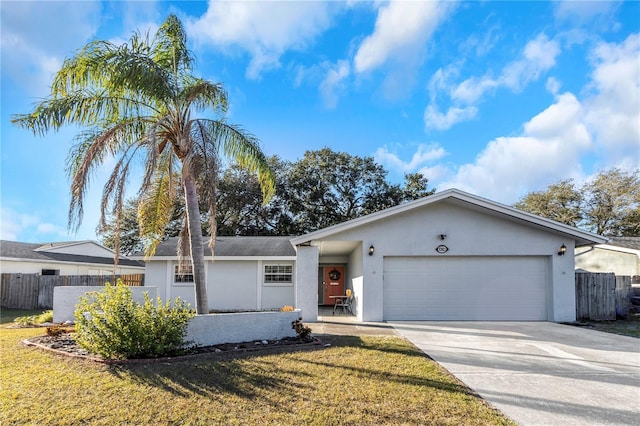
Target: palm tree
(136, 101)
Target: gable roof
(464, 199)
(632, 243)
(38, 252)
(242, 246)
(622, 244)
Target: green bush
(111, 324)
(31, 320)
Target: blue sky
(495, 98)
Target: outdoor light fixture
(563, 250)
(371, 250)
(442, 236)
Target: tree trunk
(195, 243)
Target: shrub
(111, 324)
(31, 320)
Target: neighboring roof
(233, 247)
(632, 243)
(37, 252)
(582, 238)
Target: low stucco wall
(215, 329)
(66, 298)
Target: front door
(333, 283)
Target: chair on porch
(344, 303)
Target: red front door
(333, 283)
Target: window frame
(278, 272)
(177, 281)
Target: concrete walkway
(539, 373)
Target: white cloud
(584, 12)
(401, 31)
(472, 89)
(553, 85)
(434, 119)
(24, 227)
(613, 111)
(548, 149)
(333, 82)
(538, 57)
(265, 30)
(423, 155)
(36, 36)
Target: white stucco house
(620, 255)
(63, 258)
(449, 256)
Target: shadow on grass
(285, 373)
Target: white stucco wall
(83, 248)
(65, 299)
(8, 266)
(469, 233)
(306, 294)
(215, 329)
(231, 284)
(596, 259)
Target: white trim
(259, 273)
(209, 258)
(617, 248)
(587, 237)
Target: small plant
(111, 324)
(287, 308)
(303, 332)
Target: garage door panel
(470, 288)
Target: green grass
(7, 316)
(626, 327)
(358, 380)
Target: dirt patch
(66, 345)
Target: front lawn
(358, 380)
(629, 326)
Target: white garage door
(465, 288)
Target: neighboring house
(449, 256)
(620, 255)
(63, 258)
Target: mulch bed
(66, 345)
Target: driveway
(539, 373)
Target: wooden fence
(31, 291)
(602, 296)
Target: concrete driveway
(539, 373)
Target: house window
(184, 276)
(278, 274)
(50, 272)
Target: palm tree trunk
(195, 243)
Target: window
(184, 276)
(278, 274)
(50, 272)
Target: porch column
(307, 282)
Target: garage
(467, 288)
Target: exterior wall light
(442, 236)
(563, 250)
(371, 250)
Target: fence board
(623, 293)
(31, 291)
(600, 296)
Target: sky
(498, 99)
